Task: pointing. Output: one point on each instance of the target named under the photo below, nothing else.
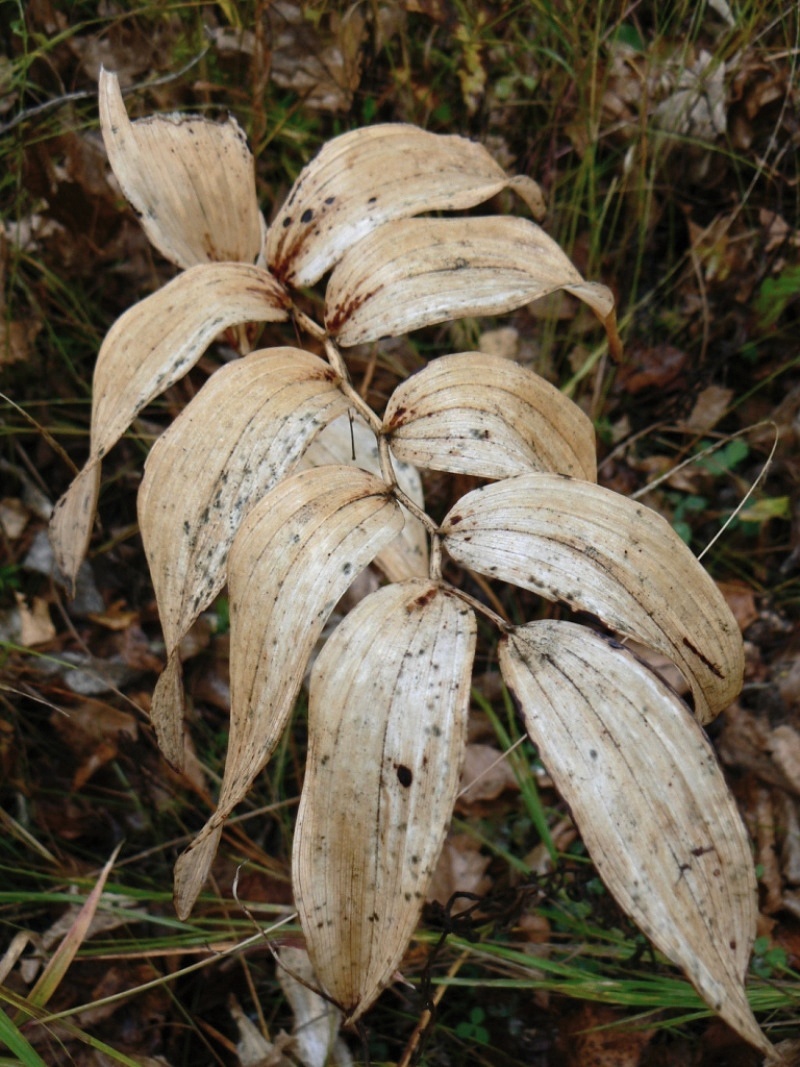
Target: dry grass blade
(191, 180)
(474, 413)
(294, 557)
(597, 551)
(245, 429)
(148, 349)
(366, 178)
(348, 440)
(418, 272)
(646, 792)
(53, 974)
(391, 684)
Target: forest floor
(666, 139)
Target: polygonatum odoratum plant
(280, 480)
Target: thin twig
(91, 94)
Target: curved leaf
(294, 557)
(348, 440)
(647, 794)
(147, 350)
(367, 177)
(387, 733)
(243, 431)
(599, 552)
(417, 272)
(191, 180)
(480, 414)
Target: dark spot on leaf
(423, 600)
(404, 776)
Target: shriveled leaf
(245, 429)
(148, 349)
(475, 413)
(368, 177)
(417, 272)
(647, 794)
(295, 555)
(597, 551)
(387, 730)
(191, 180)
(349, 440)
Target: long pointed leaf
(417, 272)
(367, 177)
(294, 557)
(245, 429)
(474, 413)
(649, 799)
(147, 350)
(597, 551)
(191, 180)
(387, 730)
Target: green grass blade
(16, 1043)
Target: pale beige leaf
(416, 272)
(368, 177)
(295, 555)
(597, 551)
(387, 730)
(148, 349)
(349, 440)
(475, 413)
(650, 801)
(192, 181)
(316, 1021)
(243, 431)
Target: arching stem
(499, 622)
(389, 476)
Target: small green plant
(281, 480)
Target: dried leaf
(461, 868)
(473, 413)
(416, 272)
(368, 177)
(348, 440)
(316, 1021)
(148, 349)
(245, 429)
(192, 181)
(294, 556)
(598, 551)
(649, 799)
(391, 684)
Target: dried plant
(254, 484)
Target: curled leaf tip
(166, 712)
(72, 520)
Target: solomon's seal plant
(280, 480)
